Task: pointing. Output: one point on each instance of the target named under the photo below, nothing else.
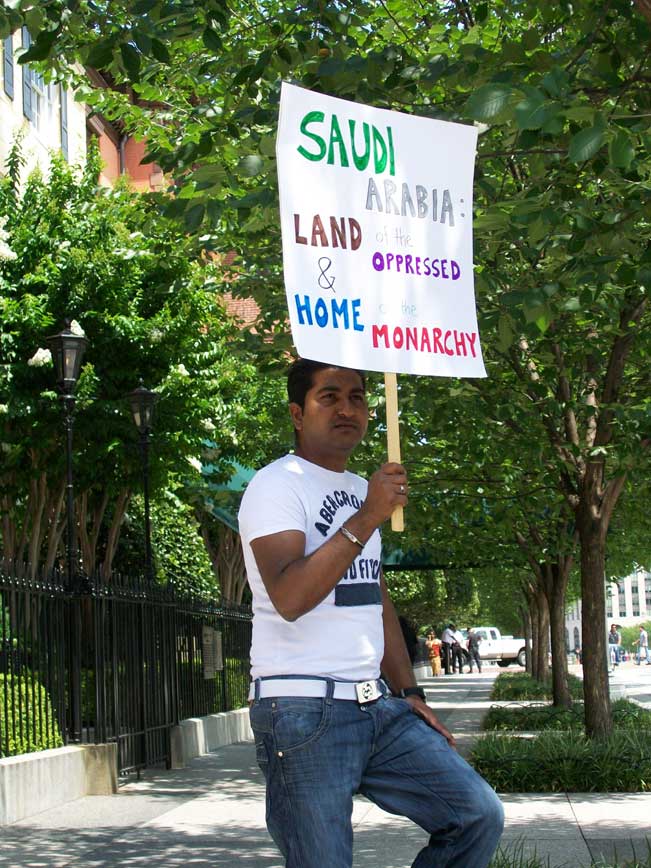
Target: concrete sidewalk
(212, 814)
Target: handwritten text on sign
(376, 215)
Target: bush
(27, 721)
(531, 718)
(555, 762)
(520, 685)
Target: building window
(63, 119)
(8, 66)
(621, 599)
(38, 97)
(609, 603)
(577, 638)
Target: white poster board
(376, 218)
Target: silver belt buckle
(367, 691)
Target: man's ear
(296, 413)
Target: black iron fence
(121, 662)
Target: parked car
(504, 649)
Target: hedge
(27, 721)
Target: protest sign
(376, 219)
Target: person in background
(434, 647)
(458, 646)
(642, 643)
(614, 645)
(473, 640)
(447, 640)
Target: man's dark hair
(300, 379)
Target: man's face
(335, 415)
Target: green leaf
(213, 172)
(531, 113)
(556, 81)
(488, 102)
(505, 333)
(644, 276)
(268, 146)
(251, 165)
(39, 50)
(580, 113)
(142, 7)
(284, 53)
(494, 219)
(621, 151)
(586, 144)
(34, 20)
(143, 41)
(131, 60)
(194, 217)
(160, 52)
(101, 54)
(543, 322)
(212, 40)
(242, 75)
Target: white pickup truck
(504, 649)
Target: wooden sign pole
(393, 439)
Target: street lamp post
(142, 402)
(67, 350)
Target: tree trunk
(224, 549)
(526, 630)
(561, 691)
(598, 716)
(55, 527)
(540, 622)
(119, 510)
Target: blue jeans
(317, 753)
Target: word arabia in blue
(331, 503)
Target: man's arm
(396, 664)
(296, 583)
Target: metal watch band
(350, 536)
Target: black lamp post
(142, 402)
(68, 351)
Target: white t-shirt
(343, 636)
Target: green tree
(564, 261)
(150, 309)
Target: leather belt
(357, 691)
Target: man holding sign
(326, 725)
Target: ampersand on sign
(324, 281)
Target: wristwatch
(412, 691)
